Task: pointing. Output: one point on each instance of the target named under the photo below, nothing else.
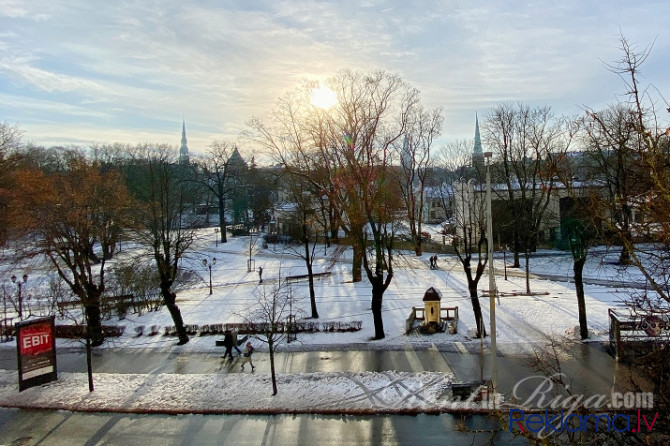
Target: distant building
(438, 203)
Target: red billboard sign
(36, 346)
(35, 339)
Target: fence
(631, 335)
(448, 317)
(251, 328)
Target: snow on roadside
(341, 392)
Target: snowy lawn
(522, 322)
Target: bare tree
(470, 242)
(452, 164)
(221, 173)
(306, 218)
(637, 141)
(162, 217)
(350, 145)
(275, 309)
(10, 142)
(638, 132)
(613, 147)
(525, 143)
(415, 163)
(77, 216)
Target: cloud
(218, 63)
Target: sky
(75, 72)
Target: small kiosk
(434, 317)
(431, 301)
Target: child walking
(246, 356)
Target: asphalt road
(589, 368)
(19, 427)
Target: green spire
(478, 152)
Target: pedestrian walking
(260, 274)
(228, 342)
(246, 357)
(236, 343)
(432, 262)
(435, 261)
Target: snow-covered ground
(522, 321)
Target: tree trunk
(517, 248)
(312, 294)
(624, 257)
(578, 267)
(418, 249)
(625, 235)
(89, 361)
(477, 309)
(310, 276)
(357, 264)
(272, 367)
(377, 296)
(222, 218)
(310, 272)
(94, 319)
(170, 299)
(527, 256)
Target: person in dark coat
(229, 343)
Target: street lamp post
(492, 285)
(20, 284)
(5, 334)
(209, 264)
(505, 260)
(250, 263)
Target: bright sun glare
(323, 97)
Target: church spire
(183, 150)
(478, 152)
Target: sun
(323, 97)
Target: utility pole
(492, 284)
